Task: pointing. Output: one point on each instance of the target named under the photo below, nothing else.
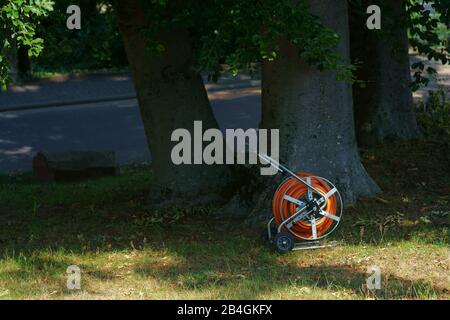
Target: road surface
(114, 125)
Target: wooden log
(73, 166)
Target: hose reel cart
(306, 209)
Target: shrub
(434, 118)
(97, 45)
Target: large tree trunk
(171, 95)
(314, 111)
(384, 107)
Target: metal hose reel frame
(322, 208)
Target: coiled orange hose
(283, 209)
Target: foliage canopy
(239, 33)
(224, 32)
(18, 22)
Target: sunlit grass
(125, 252)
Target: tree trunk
(23, 61)
(11, 56)
(171, 95)
(384, 108)
(314, 111)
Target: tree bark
(23, 61)
(384, 108)
(11, 56)
(314, 111)
(171, 95)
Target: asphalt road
(115, 125)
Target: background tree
(384, 108)
(384, 105)
(171, 95)
(306, 72)
(23, 62)
(314, 110)
(18, 21)
(97, 45)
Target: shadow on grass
(229, 269)
(257, 273)
(202, 258)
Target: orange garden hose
(283, 209)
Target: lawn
(126, 251)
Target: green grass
(127, 251)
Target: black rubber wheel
(284, 242)
(265, 236)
